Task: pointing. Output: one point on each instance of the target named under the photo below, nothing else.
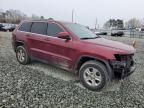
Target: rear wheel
(93, 75)
(22, 55)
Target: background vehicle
(7, 28)
(11, 28)
(117, 33)
(101, 33)
(1, 27)
(75, 48)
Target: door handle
(27, 35)
(47, 39)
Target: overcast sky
(85, 11)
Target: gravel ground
(40, 85)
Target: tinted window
(53, 29)
(39, 27)
(25, 27)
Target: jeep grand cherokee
(73, 47)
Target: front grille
(128, 59)
(120, 70)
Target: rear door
(36, 40)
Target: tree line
(15, 16)
(119, 24)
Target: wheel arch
(18, 43)
(85, 58)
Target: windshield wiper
(90, 37)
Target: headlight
(123, 60)
(121, 57)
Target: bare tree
(2, 16)
(35, 17)
(14, 16)
(133, 23)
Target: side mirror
(64, 35)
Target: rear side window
(26, 26)
(39, 27)
(53, 29)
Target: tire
(22, 55)
(93, 75)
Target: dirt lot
(39, 85)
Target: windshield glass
(81, 31)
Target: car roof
(46, 20)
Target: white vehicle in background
(139, 29)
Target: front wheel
(93, 75)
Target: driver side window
(53, 29)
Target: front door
(58, 48)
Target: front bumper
(127, 73)
(123, 69)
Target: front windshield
(81, 31)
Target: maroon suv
(73, 47)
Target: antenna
(73, 15)
(95, 23)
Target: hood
(111, 44)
